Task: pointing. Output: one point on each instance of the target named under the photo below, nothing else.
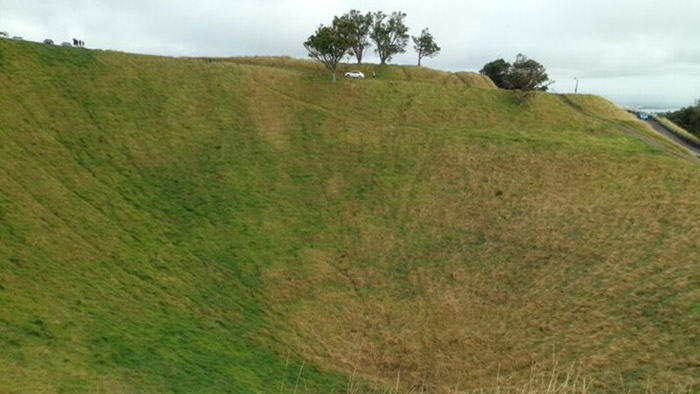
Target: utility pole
(576, 88)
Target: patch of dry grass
(500, 253)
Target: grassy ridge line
(241, 213)
(386, 72)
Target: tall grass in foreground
(560, 380)
(557, 380)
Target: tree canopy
(361, 25)
(390, 35)
(527, 74)
(524, 74)
(425, 45)
(351, 33)
(497, 70)
(331, 43)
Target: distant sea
(648, 110)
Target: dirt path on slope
(692, 149)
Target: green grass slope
(243, 225)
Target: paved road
(689, 144)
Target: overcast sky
(634, 52)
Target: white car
(354, 74)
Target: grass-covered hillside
(245, 226)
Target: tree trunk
(382, 57)
(334, 69)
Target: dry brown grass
(476, 80)
(487, 253)
(271, 119)
(573, 252)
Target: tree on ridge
(331, 43)
(527, 75)
(390, 35)
(497, 70)
(524, 74)
(425, 45)
(360, 34)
